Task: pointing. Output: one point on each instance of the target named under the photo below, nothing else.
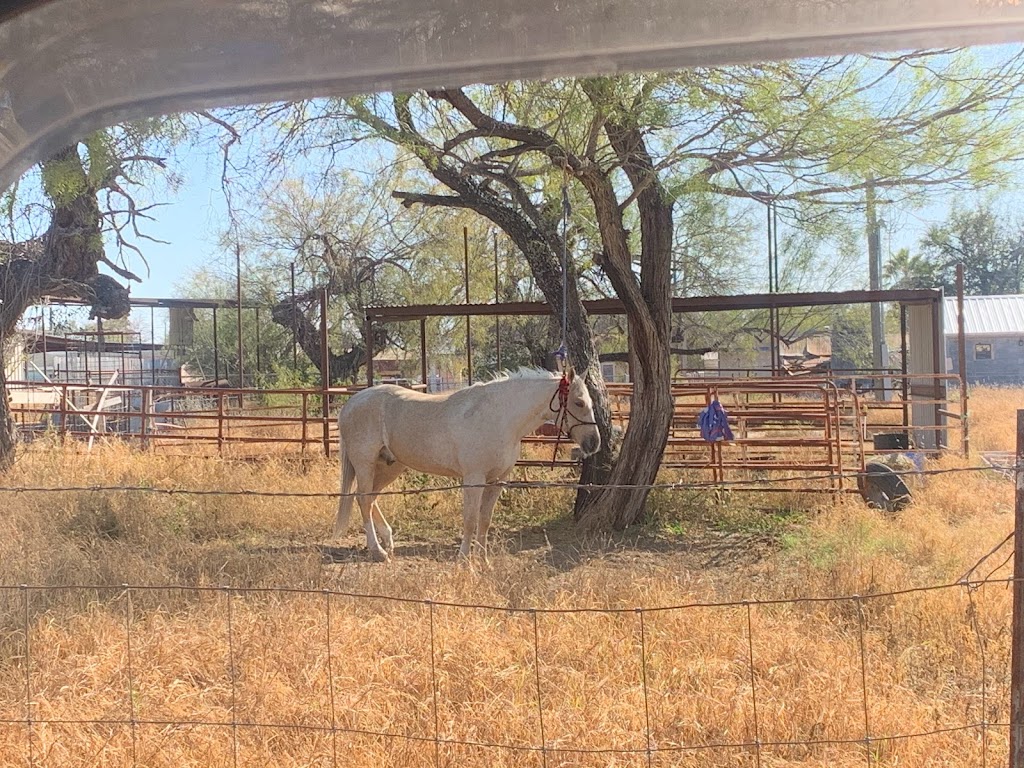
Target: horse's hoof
(379, 556)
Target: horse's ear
(571, 373)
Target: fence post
(147, 403)
(220, 423)
(961, 347)
(64, 413)
(305, 418)
(325, 374)
(1017, 626)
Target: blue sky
(193, 218)
(190, 222)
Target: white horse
(472, 434)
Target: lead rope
(563, 412)
(563, 352)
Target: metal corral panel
(987, 315)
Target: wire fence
(649, 745)
(433, 735)
(680, 485)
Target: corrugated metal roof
(986, 315)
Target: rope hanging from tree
(563, 352)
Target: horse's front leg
(472, 495)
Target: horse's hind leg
(348, 476)
(367, 499)
(383, 529)
(384, 475)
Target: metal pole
(423, 350)
(369, 350)
(238, 298)
(259, 361)
(904, 365)
(878, 351)
(778, 318)
(497, 300)
(99, 349)
(775, 243)
(774, 326)
(42, 317)
(152, 346)
(938, 369)
(295, 330)
(325, 374)
(85, 349)
(465, 274)
(961, 352)
(771, 289)
(1017, 623)
(216, 350)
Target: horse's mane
(520, 373)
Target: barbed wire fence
(650, 746)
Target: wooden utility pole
(879, 349)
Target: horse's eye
(580, 404)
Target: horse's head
(580, 423)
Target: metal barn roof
(987, 315)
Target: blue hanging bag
(714, 423)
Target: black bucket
(891, 441)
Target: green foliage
(851, 337)
(275, 351)
(990, 246)
(907, 270)
(63, 181)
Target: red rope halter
(562, 413)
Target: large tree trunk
(7, 449)
(644, 443)
(341, 367)
(648, 306)
(63, 263)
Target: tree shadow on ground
(562, 547)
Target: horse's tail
(348, 476)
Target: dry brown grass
(923, 661)
(994, 417)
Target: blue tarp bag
(714, 423)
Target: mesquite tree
(61, 222)
(811, 136)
